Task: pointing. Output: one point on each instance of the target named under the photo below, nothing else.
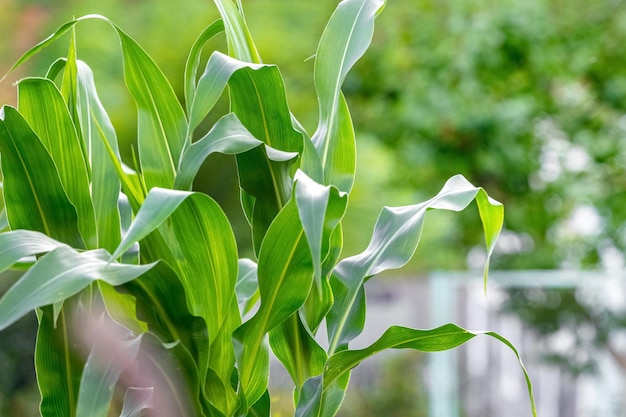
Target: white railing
(483, 377)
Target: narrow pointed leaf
(345, 39)
(161, 121)
(240, 43)
(98, 133)
(193, 61)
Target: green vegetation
(125, 264)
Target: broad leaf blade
(161, 121)
(33, 192)
(43, 107)
(57, 365)
(266, 115)
(285, 275)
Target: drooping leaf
(227, 136)
(18, 244)
(442, 338)
(396, 236)
(320, 209)
(59, 275)
(34, 196)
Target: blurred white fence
(483, 378)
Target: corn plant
(142, 300)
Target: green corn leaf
(105, 363)
(136, 400)
(57, 365)
(199, 244)
(33, 192)
(240, 43)
(121, 307)
(161, 121)
(317, 400)
(161, 303)
(43, 107)
(265, 113)
(320, 209)
(442, 338)
(396, 235)
(69, 84)
(345, 39)
(59, 275)
(62, 30)
(296, 348)
(204, 242)
(211, 85)
(18, 244)
(261, 408)
(193, 61)
(285, 275)
(99, 136)
(173, 376)
(247, 281)
(227, 136)
(162, 125)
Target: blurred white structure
(483, 377)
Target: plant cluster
(128, 265)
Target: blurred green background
(526, 98)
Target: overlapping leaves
(162, 260)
